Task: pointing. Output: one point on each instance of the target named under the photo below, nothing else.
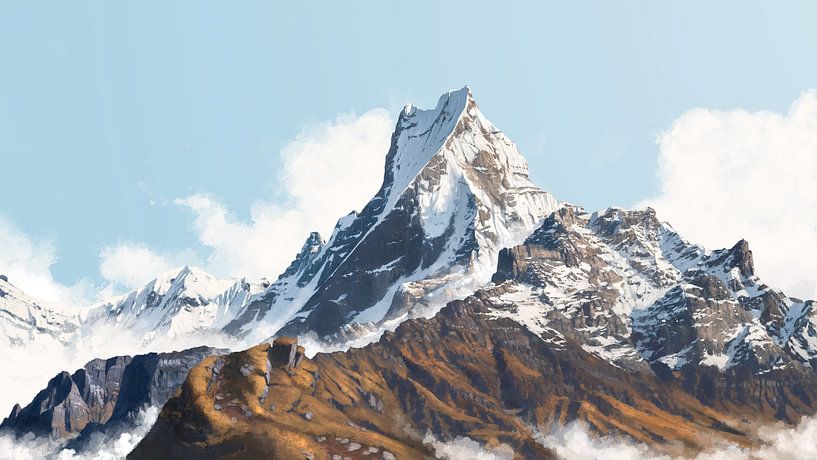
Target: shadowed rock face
(105, 392)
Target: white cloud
(133, 264)
(576, 442)
(332, 168)
(752, 175)
(465, 448)
(27, 369)
(27, 263)
(329, 169)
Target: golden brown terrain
(460, 373)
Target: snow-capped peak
(179, 302)
(192, 280)
(455, 191)
(419, 135)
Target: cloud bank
(27, 369)
(464, 448)
(328, 170)
(571, 442)
(752, 175)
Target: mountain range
(491, 310)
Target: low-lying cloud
(465, 448)
(27, 369)
(576, 442)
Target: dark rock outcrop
(102, 394)
(285, 351)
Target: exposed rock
(285, 351)
(103, 394)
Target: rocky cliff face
(104, 393)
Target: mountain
(181, 309)
(179, 303)
(610, 318)
(105, 394)
(455, 191)
(24, 320)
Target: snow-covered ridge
(634, 292)
(24, 319)
(177, 303)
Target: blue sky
(109, 112)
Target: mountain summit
(455, 191)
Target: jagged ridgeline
(508, 313)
